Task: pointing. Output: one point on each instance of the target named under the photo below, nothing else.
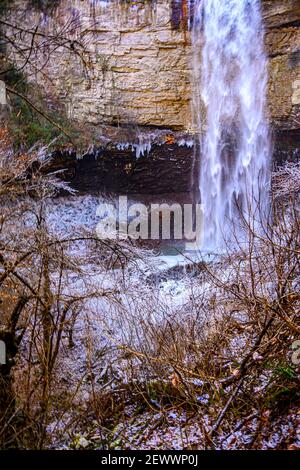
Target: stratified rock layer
(140, 61)
(137, 76)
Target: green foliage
(283, 386)
(28, 128)
(285, 371)
(27, 125)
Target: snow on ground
(147, 291)
(133, 295)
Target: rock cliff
(140, 58)
(136, 77)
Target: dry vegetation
(38, 301)
(102, 355)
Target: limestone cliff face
(140, 57)
(138, 62)
(282, 19)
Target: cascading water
(230, 71)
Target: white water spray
(230, 70)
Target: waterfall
(230, 77)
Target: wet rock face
(281, 13)
(139, 62)
(282, 19)
(140, 73)
(286, 146)
(168, 167)
(165, 168)
(140, 57)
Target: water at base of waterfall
(230, 78)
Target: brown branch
(244, 366)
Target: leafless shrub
(90, 332)
(46, 281)
(286, 180)
(230, 340)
